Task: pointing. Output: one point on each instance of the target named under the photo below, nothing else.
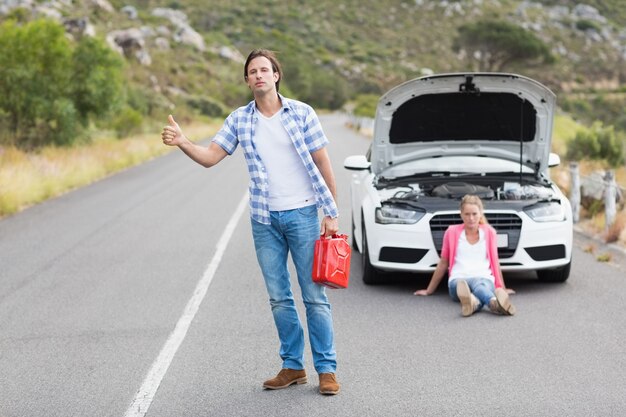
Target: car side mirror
(553, 160)
(356, 163)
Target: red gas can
(331, 262)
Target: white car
(439, 137)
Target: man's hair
(475, 200)
(271, 55)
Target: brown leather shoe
(494, 307)
(505, 302)
(329, 384)
(285, 378)
(469, 302)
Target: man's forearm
(322, 161)
(205, 156)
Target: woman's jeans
(482, 288)
(295, 231)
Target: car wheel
(371, 276)
(555, 275)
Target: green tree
(498, 44)
(33, 76)
(50, 85)
(96, 87)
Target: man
(290, 178)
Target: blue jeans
(295, 231)
(482, 288)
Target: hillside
(188, 55)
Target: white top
(290, 185)
(471, 260)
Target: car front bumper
(411, 248)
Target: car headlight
(397, 215)
(546, 212)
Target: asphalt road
(93, 284)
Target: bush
(323, 89)
(126, 122)
(365, 105)
(140, 99)
(96, 87)
(578, 107)
(584, 25)
(62, 126)
(608, 109)
(327, 91)
(207, 106)
(599, 142)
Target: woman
(470, 255)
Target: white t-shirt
(471, 260)
(290, 185)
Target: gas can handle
(335, 236)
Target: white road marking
(145, 395)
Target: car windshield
(455, 166)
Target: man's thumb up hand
(172, 134)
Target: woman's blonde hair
(475, 200)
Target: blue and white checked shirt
(306, 133)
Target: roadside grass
(28, 178)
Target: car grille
(504, 223)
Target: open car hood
(496, 115)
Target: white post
(575, 191)
(609, 198)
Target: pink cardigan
(451, 239)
